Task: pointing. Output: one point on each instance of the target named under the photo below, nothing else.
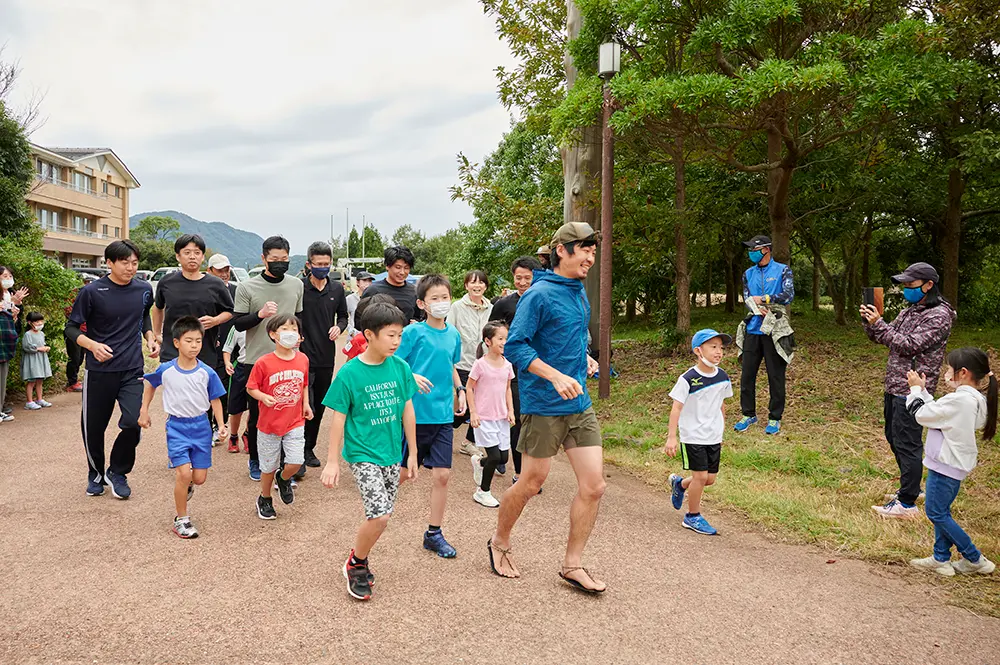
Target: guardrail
(69, 185)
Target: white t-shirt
(187, 393)
(701, 422)
(236, 338)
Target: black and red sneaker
(246, 443)
(358, 584)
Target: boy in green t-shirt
(372, 407)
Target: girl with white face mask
(469, 315)
(35, 367)
(10, 329)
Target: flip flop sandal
(576, 584)
(503, 555)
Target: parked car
(239, 274)
(96, 272)
(159, 274)
(144, 274)
(253, 272)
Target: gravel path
(96, 580)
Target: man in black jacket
(324, 318)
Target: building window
(83, 183)
(105, 186)
(117, 231)
(104, 231)
(118, 192)
(82, 262)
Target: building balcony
(69, 185)
(61, 194)
(71, 241)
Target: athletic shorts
(189, 441)
(270, 446)
(238, 389)
(378, 486)
(434, 446)
(542, 436)
(492, 433)
(701, 458)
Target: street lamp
(609, 64)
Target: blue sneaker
(254, 467)
(119, 485)
(436, 543)
(744, 423)
(676, 491)
(773, 427)
(699, 524)
(95, 487)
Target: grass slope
(816, 481)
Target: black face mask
(277, 268)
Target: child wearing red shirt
(279, 382)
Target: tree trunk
(630, 309)
(866, 251)
(778, 187)
(815, 284)
(683, 277)
(708, 286)
(730, 285)
(951, 236)
(835, 290)
(581, 173)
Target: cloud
(256, 112)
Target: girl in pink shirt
(491, 410)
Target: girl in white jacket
(950, 453)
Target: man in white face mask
(433, 349)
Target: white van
(160, 274)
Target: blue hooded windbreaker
(551, 324)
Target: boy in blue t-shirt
(432, 349)
(190, 388)
(699, 413)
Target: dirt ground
(97, 580)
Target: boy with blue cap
(699, 413)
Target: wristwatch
(460, 389)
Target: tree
(154, 236)
(16, 176)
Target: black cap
(364, 275)
(924, 271)
(758, 241)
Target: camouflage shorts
(378, 485)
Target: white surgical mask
(439, 310)
(288, 338)
(39, 325)
(707, 361)
(7, 283)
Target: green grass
(815, 482)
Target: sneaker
(75, 388)
(895, 509)
(502, 469)
(477, 469)
(32, 406)
(301, 473)
(119, 484)
(42, 403)
(933, 565)
(699, 524)
(983, 567)
(190, 491)
(436, 543)
(184, 529)
(744, 423)
(295, 483)
(8, 409)
(265, 508)
(215, 436)
(312, 460)
(284, 488)
(233, 445)
(254, 467)
(676, 491)
(358, 584)
(895, 495)
(485, 499)
(6, 418)
(246, 443)
(773, 427)
(95, 487)
(468, 448)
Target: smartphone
(875, 297)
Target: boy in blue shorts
(371, 400)
(699, 413)
(190, 387)
(433, 348)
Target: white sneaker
(930, 563)
(983, 567)
(6, 418)
(42, 403)
(477, 469)
(894, 509)
(31, 406)
(485, 499)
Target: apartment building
(80, 198)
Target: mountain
(242, 247)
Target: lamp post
(609, 65)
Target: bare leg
(695, 486)
(588, 465)
(368, 535)
(534, 471)
(439, 494)
(38, 387)
(199, 476)
(266, 481)
(182, 480)
(29, 389)
(289, 470)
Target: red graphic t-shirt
(285, 381)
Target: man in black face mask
(270, 293)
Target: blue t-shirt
(115, 315)
(187, 393)
(433, 353)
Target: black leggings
(494, 458)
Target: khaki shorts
(542, 436)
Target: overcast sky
(269, 115)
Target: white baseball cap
(218, 261)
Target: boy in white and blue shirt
(699, 414)
(190, 388)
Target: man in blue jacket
(547, 344)
(766, 283)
